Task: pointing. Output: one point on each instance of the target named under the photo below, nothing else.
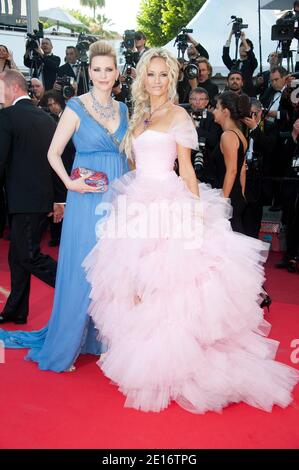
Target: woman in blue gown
(98, 125)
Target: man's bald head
(14, 86)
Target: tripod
(82, 72)
(287, 54)
(36, 66)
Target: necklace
(147, 121)
(104, 111)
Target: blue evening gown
(70, 330)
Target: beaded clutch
(97, 179)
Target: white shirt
(24, 97)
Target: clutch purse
(97, 179)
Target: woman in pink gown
(175, 292)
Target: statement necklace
(106, 112)
(147, 122)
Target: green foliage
(161, 20)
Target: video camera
(128, 45)
(67, 90)
(238, 25)
(82, 46)
(285, 28)
(182, 41)
(33, 39)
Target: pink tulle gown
(179, 312)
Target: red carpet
(83, 410)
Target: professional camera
(67, 89)
(182, 41)
(82, 46)
(199, 157)
(33, 39)
(295, 164)
(129, 39)
(198, 115)
(30, 88)
(191, 70)
(238, 25)
(128, 45)
(285, 28)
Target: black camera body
(199, 157)
(67, 90)
(33, 39)
(32, 42)
(129, 39)
(198, 115)
(191, 70)
(30, 88)
(128, 44)
(181, 41)
(82, 46)
(238, 25)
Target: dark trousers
(291, 217)
(2, 210)
(236, 221)
(252, 219)
(24, 259)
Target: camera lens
(191, 71)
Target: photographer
(263, 79)
(37, 92)
(205, 72)
(235, 82)
(290, 196)
(262, 141)
(208, 132)
(42, 61)
(71, 69)
(246, 64)
(200, 50)
(140, 41)
(184, 85)
(278, 111)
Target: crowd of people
(146, 303)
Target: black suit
(50, 64)
(67, 69)
(282, 124)
(25, 136)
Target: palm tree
(94, 4)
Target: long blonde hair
(141, 98)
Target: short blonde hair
(102, 48)
(140, 97)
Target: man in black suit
(72, 69)
(278, 110)
(246, 64)
(47, 61)
(208, 133)
(26, 132)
